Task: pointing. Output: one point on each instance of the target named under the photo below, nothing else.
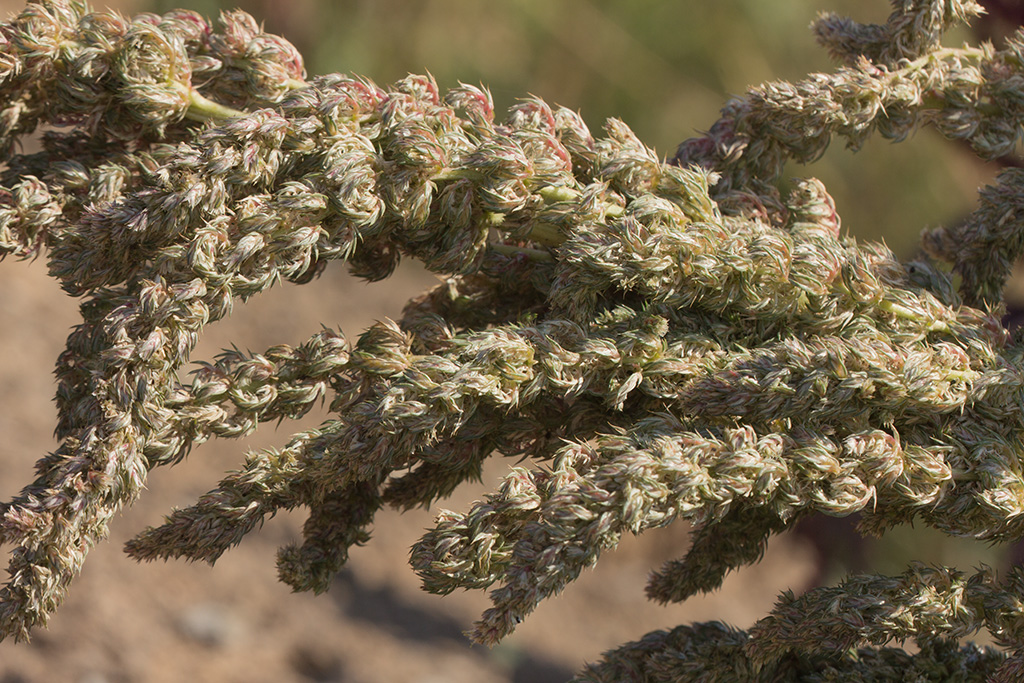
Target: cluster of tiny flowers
(657, 342)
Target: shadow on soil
(385, 609)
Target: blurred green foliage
(663, 66)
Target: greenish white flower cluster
(657, 341)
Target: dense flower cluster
(659, 341)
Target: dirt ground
(170, 622)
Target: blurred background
(663, 66)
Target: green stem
(542, 233)
(553, 194)
(203, 109)
(558, 193)
(547, 234)
(907, 314)
(458, 174)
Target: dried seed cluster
(659, 341)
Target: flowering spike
(654, 341)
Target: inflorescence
(656, 341)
